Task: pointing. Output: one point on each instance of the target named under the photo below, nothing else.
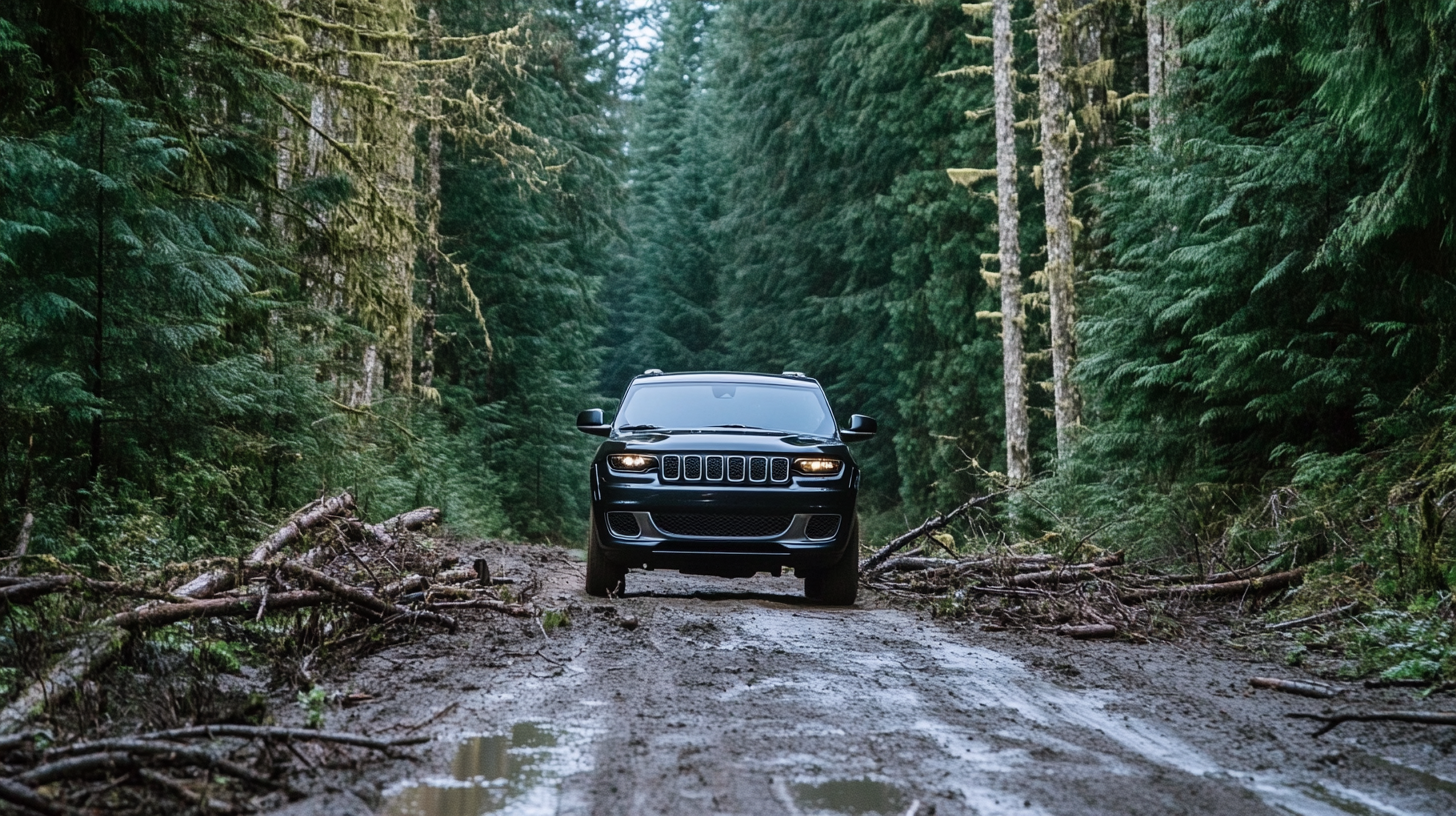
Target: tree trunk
(1055, 173)
(1162, 42)
(97, 358)
(1018, 456)
(432, 216)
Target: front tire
(839, 584)
(603, 578)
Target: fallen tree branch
(124, 757)
(163, 614)
(1303, 688)
(514, 610)
(1087, 631)
(30, 588)
(291, 532)
(1322, 617)
(277, 732)
(23, 797)
(1264, 583)
(371, 606)
(1420, 717)
(930, 526)
(384, 531)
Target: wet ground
(737, 697)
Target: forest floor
(697, 695)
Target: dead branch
(162, 614)
(1068, 575)
(1421, 717)
(415, 583)
(274, 732)
(29, 589)
(291, 532)
(514, 610)
(1322, 617)
(1303, 688)
(27, 799)
(385, 531)
(930, 526)
(126, 757)
(177, 787)
(369, 605)
(1264, 583)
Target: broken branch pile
(1088, 598)
(375, 575)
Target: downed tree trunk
(1303, 688)
(26, 590)
(218, 580)
(1264, 583)
(1069, 575)
(96, 649)
(930, 526)
(1421, 717)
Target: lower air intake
(624, 524)
(822, 526)
(716, 525)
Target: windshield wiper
(749, 428)
(639, 428)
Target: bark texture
(1055, 173)
(1018, 455)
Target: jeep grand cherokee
(726, 474)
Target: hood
(746, 442)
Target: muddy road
(737, 697)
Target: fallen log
(1303, 688)
(907, 563)
(24, 591)
(96, 649)
(1068, 575)
(291, 532)
(1322, 617)
(1087, 631)
(930, 526)
(27, 799)
(1420, 717)
(415, 583)
(1264, 583)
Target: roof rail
(651, 372)
(798, 374)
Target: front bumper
(649, 501)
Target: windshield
(793, 409)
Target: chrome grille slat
(758, 469)
(779, 469)
(713, 468)
(737, 468)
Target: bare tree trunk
(98, 359)
(1162, 40)
(432, 216)
(1018, 456)
(1055, 173)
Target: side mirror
(860, 428)
(590, 421)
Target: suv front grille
(717, 525)
(715, 468)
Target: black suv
(728, 474)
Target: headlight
(818, 467)
(632, 462)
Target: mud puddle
(518, 773)
(842, 797)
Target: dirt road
(736, 697)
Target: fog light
(632, 462)
(817, 467)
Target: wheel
(839, 584)
(603, 578)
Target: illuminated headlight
(818, 467)
(633, 462)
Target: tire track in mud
(752, 703)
